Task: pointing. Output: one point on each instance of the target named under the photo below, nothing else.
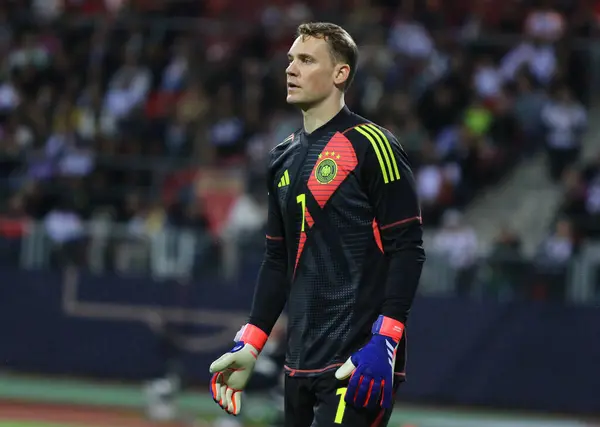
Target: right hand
(233, 369)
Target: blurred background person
(458, 243)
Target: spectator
(591, 176)
(507, 265)
(30, 53)
(564, 120)
(537, 58)
(128, 89)
(581, 198)
(228, 129)
(47, 10)
(413, 136)
(65, 230)
(436, 182)
(544, 23)
(552, 261)
(487, 79)
(9, 96)
(529, 102)
(91, 123)
(246, 218)
(478, 118)
(574, 194)
(410, 38)
(439, 108)
(176, 74)
(458, 243)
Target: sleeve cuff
(250, 334)
(388, 327)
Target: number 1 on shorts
(339, 414)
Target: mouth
(292, 86)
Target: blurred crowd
(109, 109)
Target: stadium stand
(135, 115)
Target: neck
(316, 116)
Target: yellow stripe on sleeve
(395, 173)
(383, 150)
(377, 153)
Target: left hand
(371, 369)
(371, 373)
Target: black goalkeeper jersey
(342, 207)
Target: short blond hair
(341, 45)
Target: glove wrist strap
(388, 327)
(250, 334)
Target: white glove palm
(231, 374)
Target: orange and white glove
(233, 369)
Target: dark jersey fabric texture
(344, 242)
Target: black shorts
(319, 402)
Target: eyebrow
(301, 56)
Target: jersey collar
(336, 122)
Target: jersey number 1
(339, 414)
(301, 198)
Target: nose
(291, 69)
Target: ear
(341, 74)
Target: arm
(270, 294)
(389, 184)
(391, 188)
(233, 369)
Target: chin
(293, 100)
(303, 104)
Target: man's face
(311, 72)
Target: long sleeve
(271, 290)
(390, 185)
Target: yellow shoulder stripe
(383, 151)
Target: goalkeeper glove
(233, 369)
(371, 369)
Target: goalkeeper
(343, 250)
